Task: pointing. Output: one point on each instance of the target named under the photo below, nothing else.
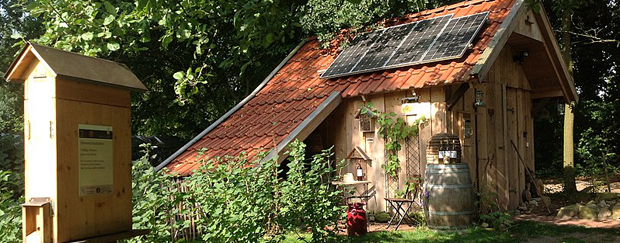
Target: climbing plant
(393, 130)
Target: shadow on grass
(425, 235)
(521, 232)
(525, 230)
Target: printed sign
(416, 109)
(96, 160)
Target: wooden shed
(485, 96)
(77, 136)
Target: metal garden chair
(402, 206)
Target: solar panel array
(423, 41)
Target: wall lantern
(359, 172)
(412, 99)
(479, 98)
(358, 157)
(560, 107)
(521, 57)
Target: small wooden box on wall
(366, 120)
(77, 138)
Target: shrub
(235, 200)
(497, 220)
(153, 200)
(11, 187)
(307, 197)
(382, 217)
(10, 211)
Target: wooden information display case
(77, 138)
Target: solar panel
(383, 49)
(454, 40)
(351, 56)
(419, 42)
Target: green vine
(393, 130)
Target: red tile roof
(296, 90)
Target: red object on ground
(356, 219)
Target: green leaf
(87, 36)
(166, 41)
(109, 7)
(17, 36)
(108, 20)
(113, 46)
(270, 38)
(178, 75)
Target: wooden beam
(114, 237)
(553, 49)
(491, 52)
(548, 94)
(307, 126)
(457, 95)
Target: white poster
(96, 160)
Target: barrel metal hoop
(431, 171)
(451, 213)
(450, 166)
(450, 186)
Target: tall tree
(569, 113)
(589, 34)
(199, 57)
(15, 25)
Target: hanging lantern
(561, 107)
(479, 98)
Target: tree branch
(593, 38)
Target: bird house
(77, 139)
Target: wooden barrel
(448, 196)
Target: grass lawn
(520, 232)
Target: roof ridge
(73, 53)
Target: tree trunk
(569, 159)
(569, 115)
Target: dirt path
(607, 224)
(556, 187)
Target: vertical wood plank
(502, 175)
(530, 130)
(438, 110)
(425, 129)
(513, 168)
(469, 145)
(378, 157)
(520, 139)
(481, 140)
(338, 122)
(492, 117)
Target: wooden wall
(40, 146)
(77, 216)
(345, 134)
(504, 117)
